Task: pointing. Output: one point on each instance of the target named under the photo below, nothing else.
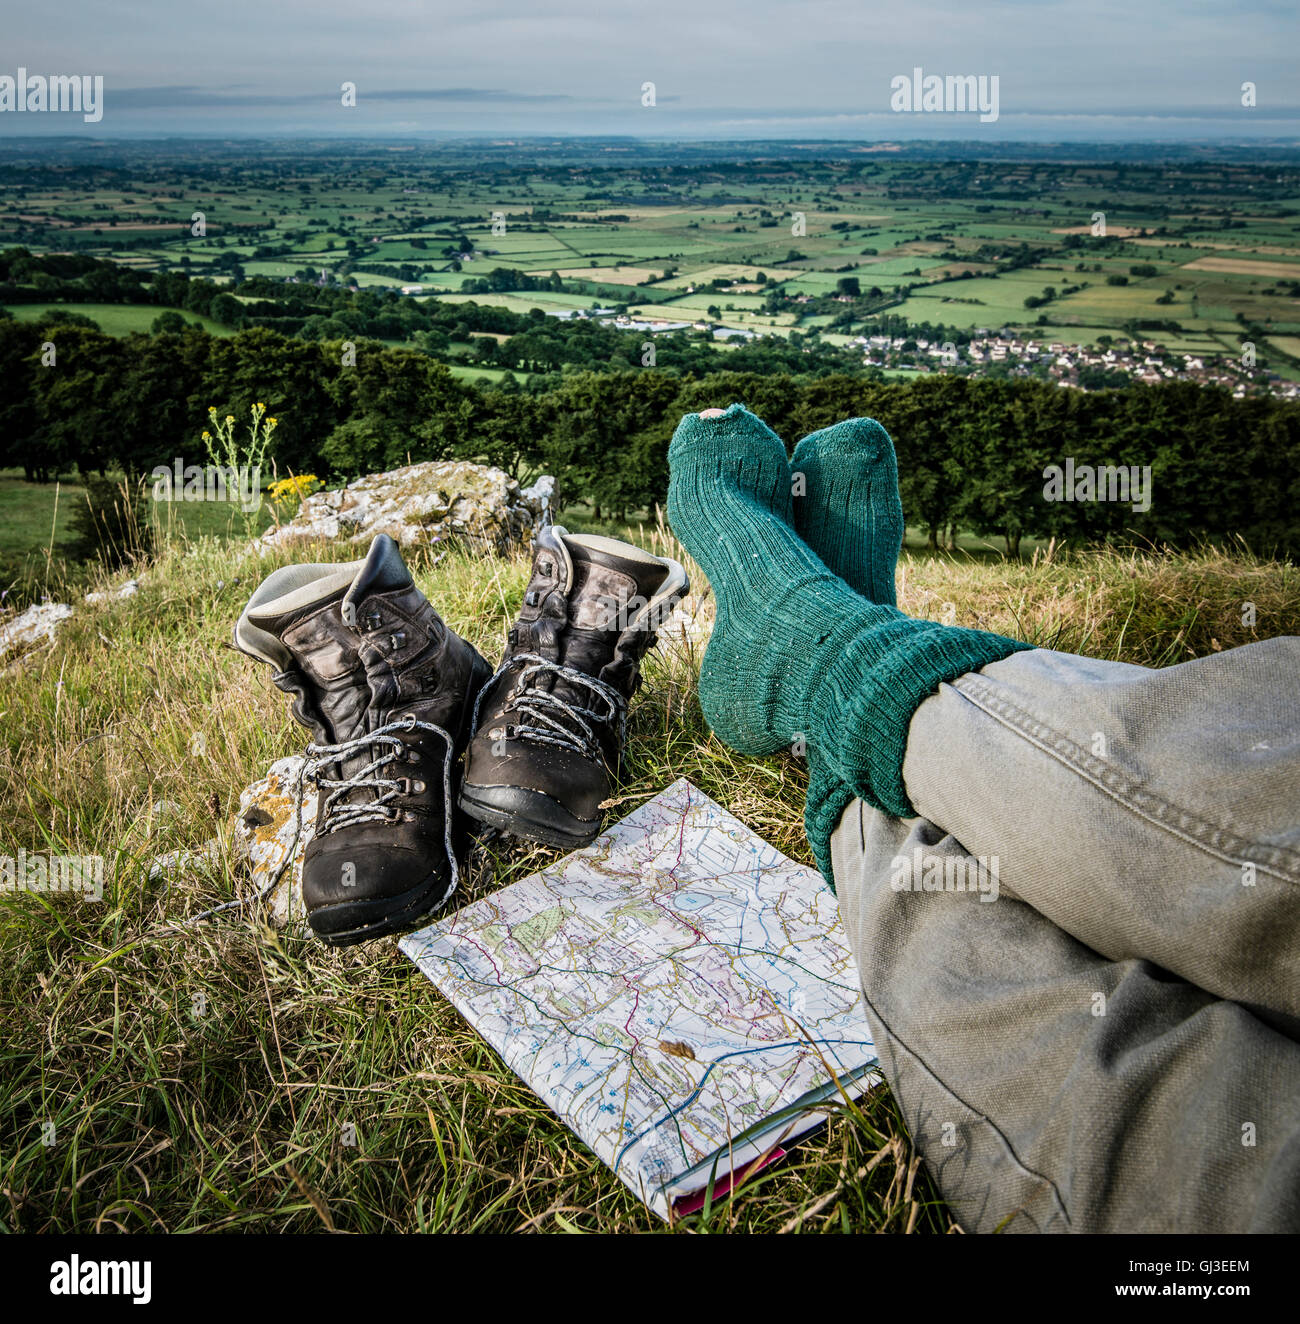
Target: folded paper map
(679, 993)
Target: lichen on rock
(438, 500)
(276, 820)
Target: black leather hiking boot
(550, 727)
(387, 690)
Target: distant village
(1142, 361)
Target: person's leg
(1151, 814)
(796, 653)
(1048, 1087)
(796, 658)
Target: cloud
(178, 97)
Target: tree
(923, 422)
(75, 423)
(19, 366)
(169, 321)
(506, 430)
(227, 310)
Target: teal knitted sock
(796, 654)
(734, 496)
(846, 504)
(847, 509)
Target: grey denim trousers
(1082, 961)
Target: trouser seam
(1155, 809)
(1040, 1179)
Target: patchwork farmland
(1190, 256)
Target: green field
(116, 319)
(37, 518)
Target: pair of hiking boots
(393, 698)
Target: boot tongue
(382, 571)
(315, 623)
(584, 592)
(326, 667)
(601, 573)
(605, 593)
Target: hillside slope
(205, 1078)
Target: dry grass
(208, 1078)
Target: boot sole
(529, 814)
(403, 912)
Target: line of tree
(535, 343)
(972, 452)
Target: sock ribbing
(846, 504)
(731, 488)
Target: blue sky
(1066, 69)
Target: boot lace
(339, 813)
(335, 816)
(561, 723)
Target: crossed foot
(809, 650)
